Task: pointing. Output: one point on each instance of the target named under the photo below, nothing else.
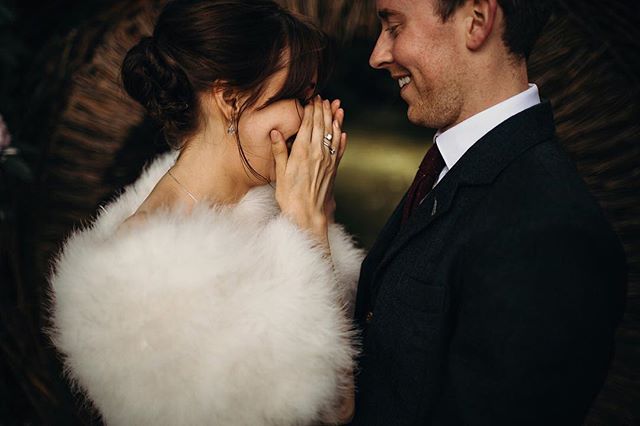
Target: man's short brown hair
(524, 21)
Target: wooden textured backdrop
(94, 140)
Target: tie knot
(432, 161)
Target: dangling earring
(232, 125)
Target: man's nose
(381, 55)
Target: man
(492, 294)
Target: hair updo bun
(159, 84)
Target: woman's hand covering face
(305, 176)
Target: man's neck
(500, 84)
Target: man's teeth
(404, 81)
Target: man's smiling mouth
(403, 81)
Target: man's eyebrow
(385, 14)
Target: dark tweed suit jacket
(496, 303)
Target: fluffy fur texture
(226, 316)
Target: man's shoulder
(545, 177)
(540, 189)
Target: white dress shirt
(457, 140)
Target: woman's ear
(226, 101)
(480, 22)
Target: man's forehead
(389, 8)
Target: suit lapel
(436, 204)
(478, 167)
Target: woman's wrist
(317, 224)
(329, 210)
(319, 227)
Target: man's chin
(414, 116)
(425, 118)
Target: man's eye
(393, 30)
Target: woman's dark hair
(236, 44)
(524, 21)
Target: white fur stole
(225, 316)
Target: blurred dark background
(76, 139)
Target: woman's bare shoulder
(160, 198)
(132, 222)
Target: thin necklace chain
(182, 186)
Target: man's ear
(226, 101)
(480, 22)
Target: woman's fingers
(339, 115)
(301, 143)
(335, 105)
(342, 148)
(328, 119)
(318, 126)
(329, 136)
(279, 149)
(335, 139)
(340, 136)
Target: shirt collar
(454, 142)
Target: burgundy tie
(428, 172)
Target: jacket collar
(479, 166)
(457, 140)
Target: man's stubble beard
(436, 109)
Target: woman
(201, 295)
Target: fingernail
(274, 136)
